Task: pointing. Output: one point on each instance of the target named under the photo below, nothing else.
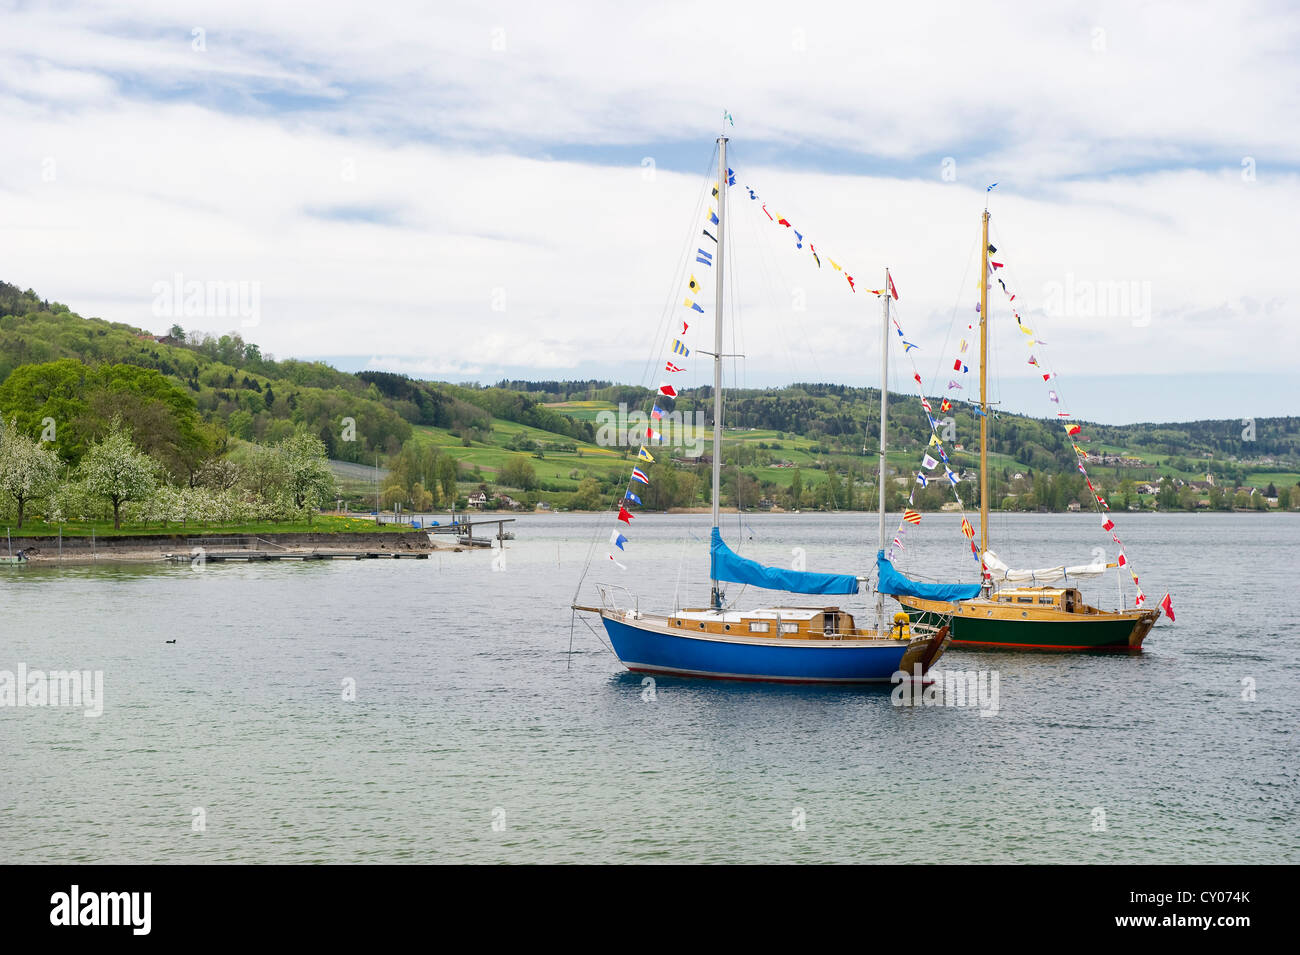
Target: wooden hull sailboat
(1036, 618)
(782, 644)
(1005, 613)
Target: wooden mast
(984, 399)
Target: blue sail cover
(730, 566)
(892, 582)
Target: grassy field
(321, 524)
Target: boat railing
(609, 598)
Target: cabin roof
(766, 613)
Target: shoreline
(157, 548)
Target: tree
(27, 467)
(447, 477)
(308, 477)
(796, 489)
(587, 497)
(519, 473)
(115, 469)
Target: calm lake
(476, 736)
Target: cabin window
(1047, 600)
(726, 626)
(789, 628)
(760, 627)
(1024, 600)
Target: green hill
(192, 398)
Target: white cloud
(376, 174)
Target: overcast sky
(470, 192)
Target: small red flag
(667, 390)
(1109, 525)
(671, 367)
(1167, 605)
(684, 327)
(624, 514)
(892, 290)
(1122, 559)
(850, 278)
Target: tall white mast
(884, 425)
(716, 600)
(984, 398)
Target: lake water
(476, 736)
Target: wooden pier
(251, 550)
(464, 531)
(258, 556)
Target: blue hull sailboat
(779, 643)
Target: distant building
(478, 499)
(1117, 460)
(1073, 506)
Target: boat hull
(974, 627)
(646, 648)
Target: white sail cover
(999, 571)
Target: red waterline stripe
(1044, 646)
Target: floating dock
(257, 556)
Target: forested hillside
(197, 403)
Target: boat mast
(984, 400)
(716, 600)
(884, 417)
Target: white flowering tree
(308, 478)
(28, 468)
(115, 470)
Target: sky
(470, 192)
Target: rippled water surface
(476, 736)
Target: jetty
(259, 549)
(257, 556)
(464, 531)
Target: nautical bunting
(1072, 430)
(890, 289)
